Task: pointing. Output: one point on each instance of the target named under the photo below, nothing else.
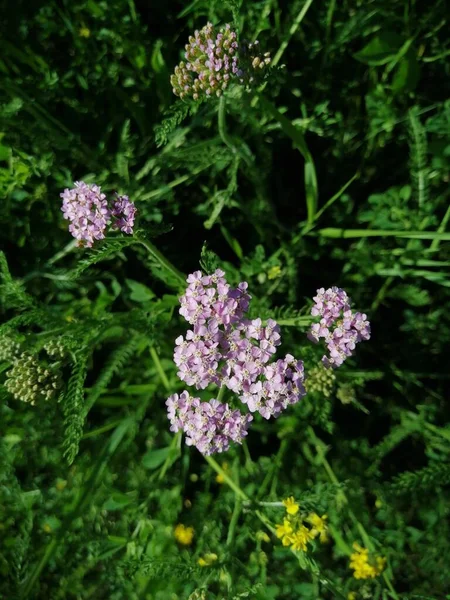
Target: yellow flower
(207, 560)
(364, 565)
(84, 32)
(351, 596)
(301, 538)
(219, 477)
(291, 505)
(284, 532)
(184, 535)
(319, 527)
(274, 272)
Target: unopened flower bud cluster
(215, 58)
(56, 349)
(9, 349)
(90, 213)
(30, 381)
(320, 380)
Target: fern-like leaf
(115, 363)
(12, 292)
(107, 249)
(426, 479)
(174, 116)
(418, 156)
(74, 407)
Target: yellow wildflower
(319, 527)
(284, 533)
(274, 272)
(84, 32)
(219, 477)
(351, 596)
(207, 560)
(291, 505)
(364, 565)
(184, 535)
(301, 538)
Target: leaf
(406, 75)
(155, 458)
(139, 291)
(380, 50)
(118, 501)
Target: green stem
(234, 521)
(221, 393)
(159, 368)
(165, 264)
(336, 233)
(218, 469)
(327, 205)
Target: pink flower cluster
(341, 328)
(209, 426)
(283, 385)
(86, 207)
(229, 350)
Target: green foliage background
(335, 172)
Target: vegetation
(329, 169)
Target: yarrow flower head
(341, 328)
(125, 211)
(231, 351)
(364, 565)
(209, 426)
(87, 209)
(213, 60)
